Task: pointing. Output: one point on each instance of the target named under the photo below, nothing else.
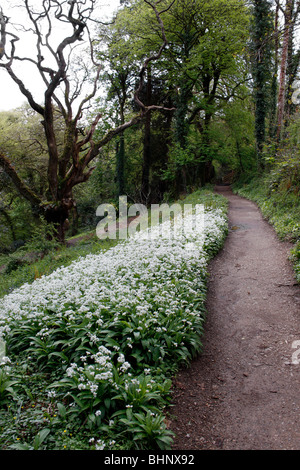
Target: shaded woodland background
(192, 93)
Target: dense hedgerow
(105, 335)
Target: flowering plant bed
(92, 348)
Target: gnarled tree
(71, 163)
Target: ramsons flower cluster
(133, 276)
(113, 321)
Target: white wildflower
(100, 445)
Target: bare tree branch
(69, 164)
(23, 189)
(3, 22)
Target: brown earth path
(243, 392)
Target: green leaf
(62, 410)
(107, 402)
(40, 437)
(59, 354)
(20, 447)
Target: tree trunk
(182, 130)
(262, 71)
(121, 143)
(121, 166)
(239, 153)
(293, 61)
(274, 84)
(58, 216)
(283, 67)
(145, 186)
(75, 220)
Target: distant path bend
(243, 392)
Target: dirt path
(243, 392)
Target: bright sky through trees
(10, 96)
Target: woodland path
(243, 391)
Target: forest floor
(242, 392)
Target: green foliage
(277, 190)
(22, 138)
(36, 444)
(18, 222)
(281, 208)
(202, 69)
(15, 262)
(7, 387)
(261, 48)
(295, 252)
(42, 238)
(178, 158)
(208, 198)
(148, 430)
